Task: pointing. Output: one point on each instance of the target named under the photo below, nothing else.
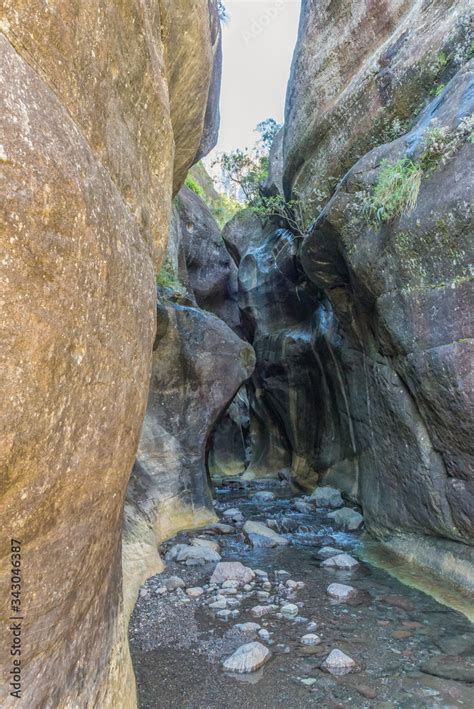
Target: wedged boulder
(359, 75)
(198, 365)
(243, 231)
(401, 293)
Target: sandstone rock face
(88, 147)
(360, 71)
(203, 263)
(228, 451)
(400, 296)
(198, 365)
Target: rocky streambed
(273, 606)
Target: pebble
(264, 634)
(312, 626)
(263, 496)
(340, 591)
(234, 514)
(308, 681)
(247, 658)
(220, 604)
(262, 595)
(161, 590)
(338, 663)
(310, 639)
(195, 591)
(341, 561)
(289, 609)
(248, 628)
(260, 573)
(260, 611)
(223, 614)
(174, 582)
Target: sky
(258, 42)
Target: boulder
(341, 561)
(260, 535)
(247, 658)
(327, 496)
(232, 571)
(347, 518)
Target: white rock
(340, 591)
(266, 585)
(260, 535)
(310, 639)
(233, 602)
(341, 561)
(234, 514)
(248, 628)
(247, 658)
(232, 571)
(263, 496)
(291, 584)
(302, 506)
(201, 542)
(312, 626)
(230, 583)
(347, 518)
(327, 552)
(195, 591)
(260, 611)
(262, 595)
(327, 497)
(224, 614)
(338, 663)
(218, 605)
(308, 681)
(260, 573)
(264, 634)
(289, 609)
(161, 590)
(197, 554)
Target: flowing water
(390, 629)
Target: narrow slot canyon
(236, 440)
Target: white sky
(258, 42)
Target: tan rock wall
(88, 145)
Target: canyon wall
(106, 106)
(362, 326)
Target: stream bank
(398, 637)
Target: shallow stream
(391, 630)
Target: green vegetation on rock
(396, 190)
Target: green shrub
(167, 279)
(396, 190)
(194, 185)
